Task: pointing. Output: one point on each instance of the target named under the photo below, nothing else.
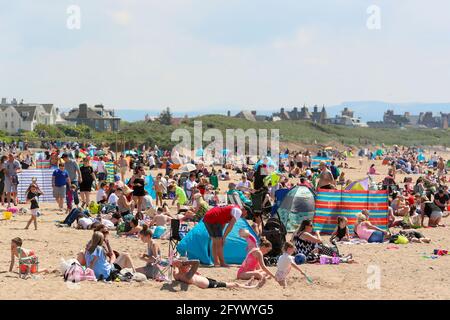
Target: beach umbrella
(189, 167)
(359, 185)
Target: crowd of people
(123, 204)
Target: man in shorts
(60, 179)
(215, 220)
(186, 271)
(12, 167)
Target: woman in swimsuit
(153, 255)
(138, 183)
(253, 265)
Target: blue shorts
(377, 237)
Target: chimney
(4, 101)
(282, 110)
(315, 109)
(295, 109)
(82, 111)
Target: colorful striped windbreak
(330, 204)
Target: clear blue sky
(211, 54)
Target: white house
(19, 116)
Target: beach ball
(300, 258)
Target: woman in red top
(215, 220)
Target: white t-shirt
(243, 184)
(113, 199)
(101, 166)
(189, 186)
(236, 213)
(108, 224)
(100, 195)
(85, 222)
(148, 202)
(284, 265)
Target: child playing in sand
(285, 263)
(24, 254)
(33, 193)
(341, 232)
(101, 193)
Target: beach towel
(330, 204)
(109, 167)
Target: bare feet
(262, 282)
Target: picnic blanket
(44, 181)
(330, 204)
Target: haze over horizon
(193, 55)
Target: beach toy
(335, 260)
(13, 210)
(7, 215)
(300, 258)
(158, 232)
(325, 260)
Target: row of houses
(346, 118)
(423, 120)
(19, 116)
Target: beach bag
(75, 273)
(401, 240)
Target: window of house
(97, 125)
(12, 124)
(6, 125)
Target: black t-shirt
(34, 203)
(442, 198)
(86, 173)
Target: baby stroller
(274, 231)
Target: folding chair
(234, 198)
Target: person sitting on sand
(341, 232)
(135, 228)
(367, 231)
(96, 258)
(152, 255)
(431, 210)
(253, 265)
(120, 260)
(186, 272)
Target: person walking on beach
(60, 179)
(13, 167)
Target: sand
(403, 272)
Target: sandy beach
(404, 271)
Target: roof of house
(91, 114)
(27, 112)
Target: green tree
(166, 117)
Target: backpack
(75, 273)
(275, 231)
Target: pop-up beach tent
(297, 205)
(197, 244)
